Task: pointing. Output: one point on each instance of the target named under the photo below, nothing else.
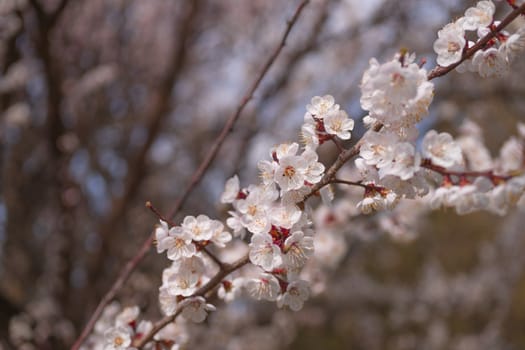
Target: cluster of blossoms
(117, 328)
(497, 186)
(184, 245)
(282, 230)
(323, 121)
(495, 56)
(396, 94)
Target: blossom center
(118, 341)
(289, 171)
(453, 46)
(179, 243)
(252, 210)
(398, 79)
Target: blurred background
(106, 104)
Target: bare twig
(349, 183)
(228, 127)
(196, 178)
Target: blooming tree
(285, 230)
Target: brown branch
(343, 157)
(137, 165)
(439, 71)
(55, 270)
(49, 19)
(489, 174)
(329, 177)
(225, 271)
(197, 176)
(350, 183)
(282, 79)
(53, 17)
(228, 127)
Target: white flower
(284, 150)
(490, 62)
(196, 309)
(267, 171)
(441, 149)
(161, 232)
(265, 287)
(118, 338)
(178, 243)
(263, 252)
(309, 136)
(108, 317)
(330, 248)
(479, 16)
(235, 223)
(167, 301)
(378, 148)
(294, 196)
(511, 155)
(127, 316)
(144, 327)
(285, 215)
(219, 237)
(198, 227)
(184, 276)
(396, 94)
(377, 201)
(450, 44)
(230, 289)
(441, 196)
(404, 163)
(290, 173)
(297, 249)
(255, 206)
(339, 124)
(514, 44)
(321, 106)
(468, 199)
(231, 190)
(174, 332)
(297, 292)
(314, 169)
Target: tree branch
(196, 178)
(439, 71)
(137, 165)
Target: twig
(197, 176)
(136, 165)
(489, 174)
(157, 213)
(439, 71)
(343, 157)
(350, 183)
(228, 127)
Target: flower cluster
(275, 224)
(323, 121)
(396, 94)
(495, 56)
(184, 245)
(118, 328)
